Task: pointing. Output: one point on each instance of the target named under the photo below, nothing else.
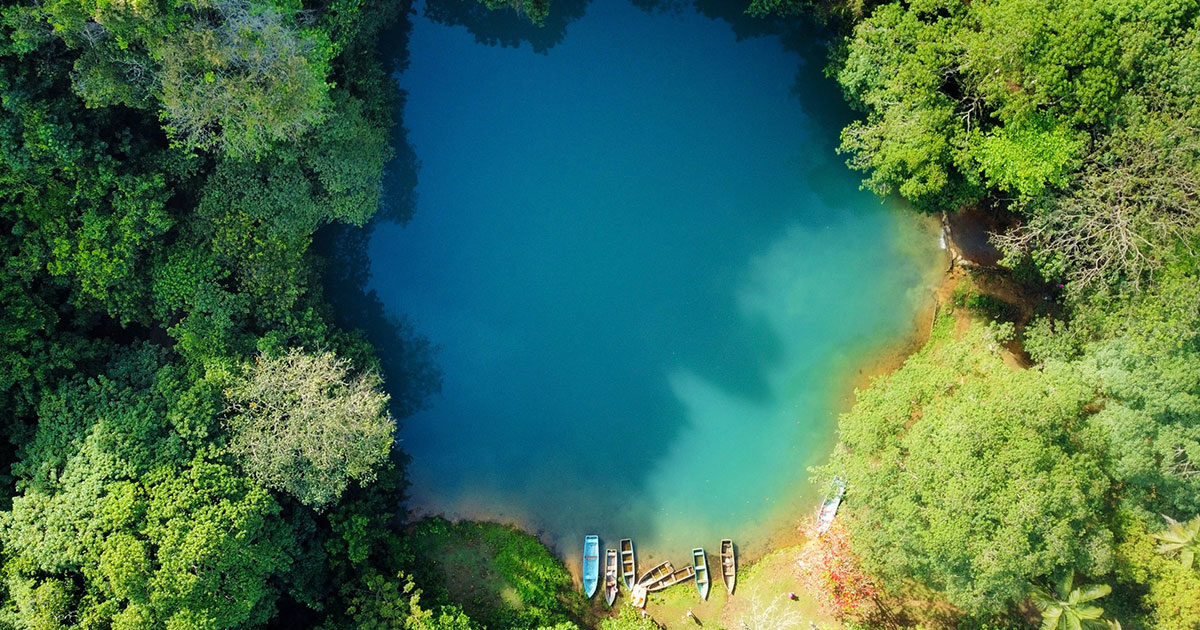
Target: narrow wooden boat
(657, 573)
(700, 563)
(628, 563)
(829, 506)
(610, 575)
(728, 564)
(677, 576)
(591, 565)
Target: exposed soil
(762, 591)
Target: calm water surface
(649, 274)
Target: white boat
(829, 507)
(637, 596)
(610, 575)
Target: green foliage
(966, 475)
(84, 199)
(242, 76)
(1165, 589)
(912, 140)
(301, 424)
(627, 619)
(384, 603)
(1026, 157)
(141, 268)
(1180, 538)
(125, 517)
(1067, 607)
(1146, 363)
(966, 100)
(1125, 215)
(225, 75)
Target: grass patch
(969, 295)
(501, 576)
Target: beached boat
(829, 507)
(610, 575)
(591, 565)
(637, 596)
(628, 563)
(728, 564)
(656, 574)
(675, 577)
(700, 564)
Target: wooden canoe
(657, 573)
(591, 565)
(700, 563)
(677, 576)
(610, 575)
(628, 563)
(728, 564)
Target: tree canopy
(301, 424)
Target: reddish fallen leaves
(831, 573)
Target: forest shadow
(407, 358)
(733, 12)
(506, 27)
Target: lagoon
(650, 276)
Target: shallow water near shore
(649, 274)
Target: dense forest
(191, 442)
(1070, 490)
(194, 440)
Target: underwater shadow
(407, 358)
(506, 27)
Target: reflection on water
(644, 266)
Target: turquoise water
(649, 274)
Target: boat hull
(591, 565)
(628, 563)
(655, 574)
(610, 576)
(728, 565)
(700, 564)
(830, 505)
(675, 577)
(637, 596)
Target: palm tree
(1181, 537)
(1065, 608)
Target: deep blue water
(649, 275)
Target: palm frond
(1091, 592)
(1042, 599)
(1050, 618)
(1064, 586)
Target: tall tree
(303, 424)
